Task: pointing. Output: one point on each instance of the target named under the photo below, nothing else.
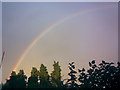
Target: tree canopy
(44, 77)
(56, 75)
(103, 75)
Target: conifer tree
(56, 75)
(21, 79)
(33, 79)
(16, 80)
(11, 83)
(44, 77)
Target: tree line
(103, 75)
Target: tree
(33, 79)
(104, 75)
(72, 82)
(16, 80)
(11, 83)
(44, 77)
(21, 79)
(56, 75)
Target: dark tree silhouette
(33, 79)
(16, 81)
(21, 80)
(11, 83)
(44, 77)
(56, 75)
(72, 82)
(104, 75)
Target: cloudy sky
(36, 33)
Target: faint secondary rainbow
(55, 24)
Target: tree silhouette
(44, 77)
(11, 83)
(21, 80)
(104, 75)
(72, 82)
(16, 80)
(56, 75)
(33, 79)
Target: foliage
(34, 72)
(44, 77)
(33, 79)
(16, 80)
(72, 82)
(103, 75)
(56, 75)
(21, 79)
(11, 83)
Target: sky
(80, 32)
(59, 0)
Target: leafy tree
(87, 79)
(33, 79)
(56, 75)
(44, 77)
(72, 82)
(104, 75)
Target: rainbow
(48, 29)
